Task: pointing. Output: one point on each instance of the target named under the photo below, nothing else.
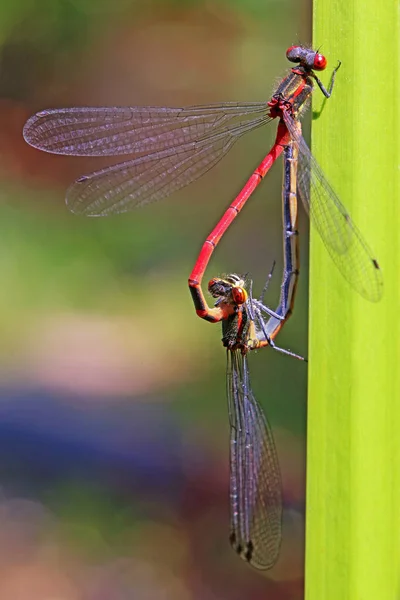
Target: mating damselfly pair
(170, 148)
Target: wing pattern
(255, 480)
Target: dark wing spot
(248, 555)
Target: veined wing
(342, 238)
(131, 184)
(255, 481)
(183, 144)
(109, 131)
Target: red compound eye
(292, 50)
(212, 282)
(239, 295)
(320, 62)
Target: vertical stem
(353, 461)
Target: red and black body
(289, 101)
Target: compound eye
(239, 295)
(214, 281)
(320, 62)
(216, 287)
(293, 53)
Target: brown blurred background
(113, 418)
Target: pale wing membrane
(131, 184)
(340, 235)
(255, 481)
(188, 141)
(134, 130)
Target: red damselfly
(178, 145)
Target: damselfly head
(231, 290)
(307, 58)
(219, 288)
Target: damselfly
(247, 324)
(174, 146)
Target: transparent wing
(131, 184)
(342, 238)
(255, 481)
(113, 131)
(183, 144)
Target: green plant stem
(353, 459)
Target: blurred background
(113, 418)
